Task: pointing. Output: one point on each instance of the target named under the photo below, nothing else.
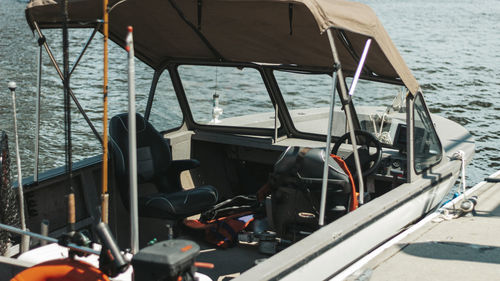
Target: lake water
(452, 47)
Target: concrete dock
(449, 245)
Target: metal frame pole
(83, 50)
(61, 76)
(348, 113)
(132, 147)
(324, 183)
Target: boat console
(394, 162)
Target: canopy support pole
(349, 117)
(324, 184)
(84, 50)
(151, 96)
(59, 72)
(132, 146)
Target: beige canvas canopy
(264, 31)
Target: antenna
(20, 192)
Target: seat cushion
(178, 204)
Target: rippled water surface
(452, 47)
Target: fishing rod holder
(111, 260)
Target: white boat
(270, 60)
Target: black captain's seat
(156, 167)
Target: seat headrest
(140, 122)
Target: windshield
(228, 96)
(380, 107)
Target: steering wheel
(369, 162)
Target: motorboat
(261, 93)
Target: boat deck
(228, 263)
(442, 247)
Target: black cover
(236, 205)
(178, 204)
(300, 166)
(166, 260)
(296, 191)
(155, 166)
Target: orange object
(204, 265)
(187, 248)
(354, 197)
(196, 224)
(61, 270)
(222, 232)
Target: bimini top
(263, 31)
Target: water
(452, 47)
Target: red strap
(354, 196)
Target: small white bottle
(216, 110)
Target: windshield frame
(287, 127)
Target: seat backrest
(153, 154)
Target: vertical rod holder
(44, 229)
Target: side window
(426, 147)
(237, 96)
(165, 113)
